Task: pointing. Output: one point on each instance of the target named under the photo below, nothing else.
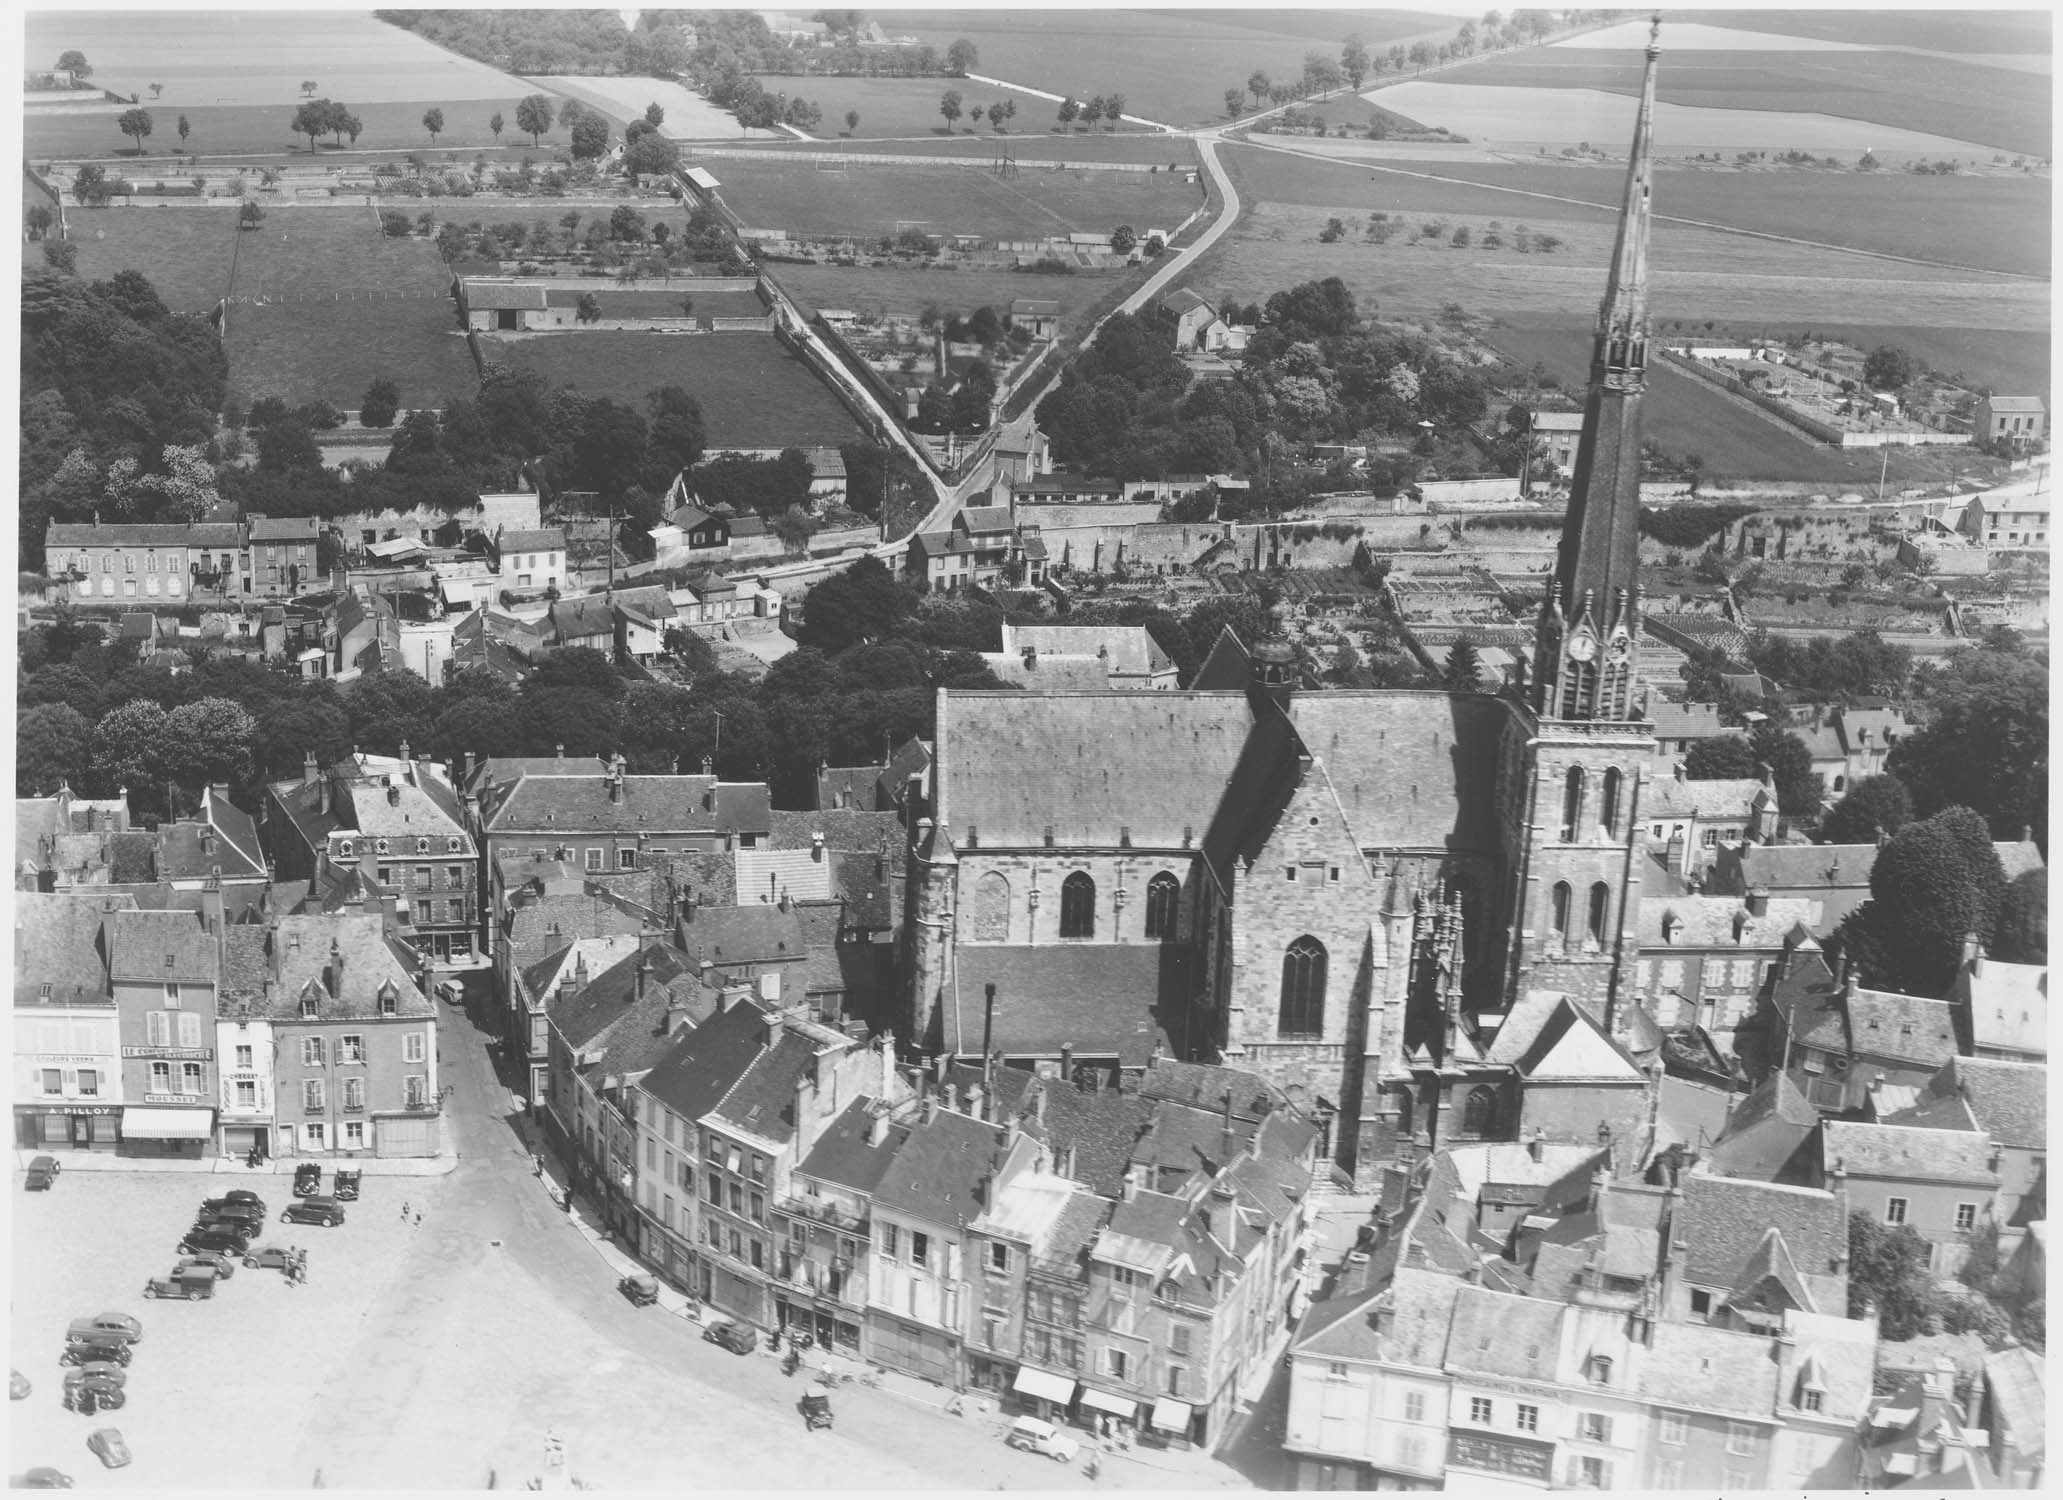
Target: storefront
(1042, 1393)
(164, 1131)
(242, 1140)
(1173, 1422)
(735, 1294)
(1104, 1409)
(66, 1127)
(831, 1326)
(927, 1353)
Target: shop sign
(195, 1101)
(68, 1109)
(173, 1054)
(1500, 1455)
(89, 1058)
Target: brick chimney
(310, 772)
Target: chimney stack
(877, 1125)
(1758, 901)
(406, 758)
(1067, 1062)
(310, 772)
(335, 976)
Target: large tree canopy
(1935, 882)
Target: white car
(1034, 1436)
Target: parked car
(232, 1211)
(230, 1239)
(224, 1266)
(96, 1351)
(18, 1386)
(107, 1328)
(345, 1188)
(730, 1336)
(1034, 1436)
(99, 1369)
(189, 1280)
(816, 1411)
(106, 1445)
(324, 1211)
(307, 1179)
(42, 1477)
(241, 1195)
(102, 1381)
(43, 1172)
(642, 1291)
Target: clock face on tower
(1582, 648)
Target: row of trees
(1323, 73)
(1109, 107)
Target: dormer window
(381, 846)
(422, 846)
(344, 848)
(1811, 1400)
(455, 846)
(309, 1006)
(390, 999)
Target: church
(1413, 911)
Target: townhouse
(825, 1218)
(1942, 1184)
(164, 561)
(68, 1066)
(2008, 1103)
(2001, 1009)
(1839, 1040)
(164, 971)
(1704, 959)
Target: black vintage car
(229, 1239)
(345, 1187)
(816, 1410)
(730, 1336)
(642, 1291)
(324, 1211)
(307, 1179)
(89, 1352)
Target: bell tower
(1589, 626)
(1575, 844)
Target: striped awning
(1043, 1384)
(1117, 1406)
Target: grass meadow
(863, 200)
(302, 351)
(1026, 143)
(893, 290)
(754, 393)
(184, 252)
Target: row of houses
(256, 557)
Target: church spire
(1590, 621)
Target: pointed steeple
(1590, 621)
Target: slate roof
(1129, 648)
(1100, 1126)
(1765, 1130)
(58, 941)
(143, 534)
(370, 962)
(1721, 1221)
(869, 889)
(847, 786)
(1785, 867)
(1770, 1281)
(1499, 1333)
(766, 875)
(703, 1063)
(939, 1169)
(1412, 770)
(732, 935)
(156, 947)
(1730, 798)
(762, 1099)
(1204, 1086)
(564, 802)
(2009, 1100)
(1721, 921)
(2017, 1379)
(1087, 764)
(586, 1016)
(549, 923)
(1048, 674)
(1103, 999)
(1910, 1028)
(405, 810)
(1706, 1369)
(842, 1155)
(2019, 856)
(132, 858)
(489, 296)
(1906, 1153)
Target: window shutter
(155, 1027)
(189, 1029)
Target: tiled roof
(1906, 1153)
(1770, 1282)
(768, 875)
(869, 889)
(699, 1070)
(1721, 1221)
(1099, 1126)
(1048, 674)
(143, 534)
(1129, 648)
(284, 528)
(244, 967)
(2010, 1100)
(2019, 856)
(847, 786)
(1722, 797)
(1884, 1023)
(154, 947)
(609, 1000)
(1708, 1369)
(940, 1168)
(842, 1155)
(549, 923)
(1205, 1085)
(57, 940)
(1103, 999)
(1087, 765)
(132, 858)
(1793, 867)
(2017, 1379)
(489, 296)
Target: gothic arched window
(1303, 989)
(1078, 906)
(1479, 1111)
(1600, 906)
(1572, 804)
(1163, 903)
(1562, 897)
(1608, 803)
(991, 914)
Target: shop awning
(1117, 1406)
(1170, 1415)
(1043, 1384)
(168, 1124)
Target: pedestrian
(404, 1213)
(419, 1216)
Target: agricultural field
(1882, 90)
(183, 252)
(754, 393)
(1172, 67)
(1566, 110)
(1998, 223)
(1684, 415)
(689, 117)
(302, 254)
(892, 290)
(332, 351)
(240, 131)
(876, 200)
(1024, 140)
